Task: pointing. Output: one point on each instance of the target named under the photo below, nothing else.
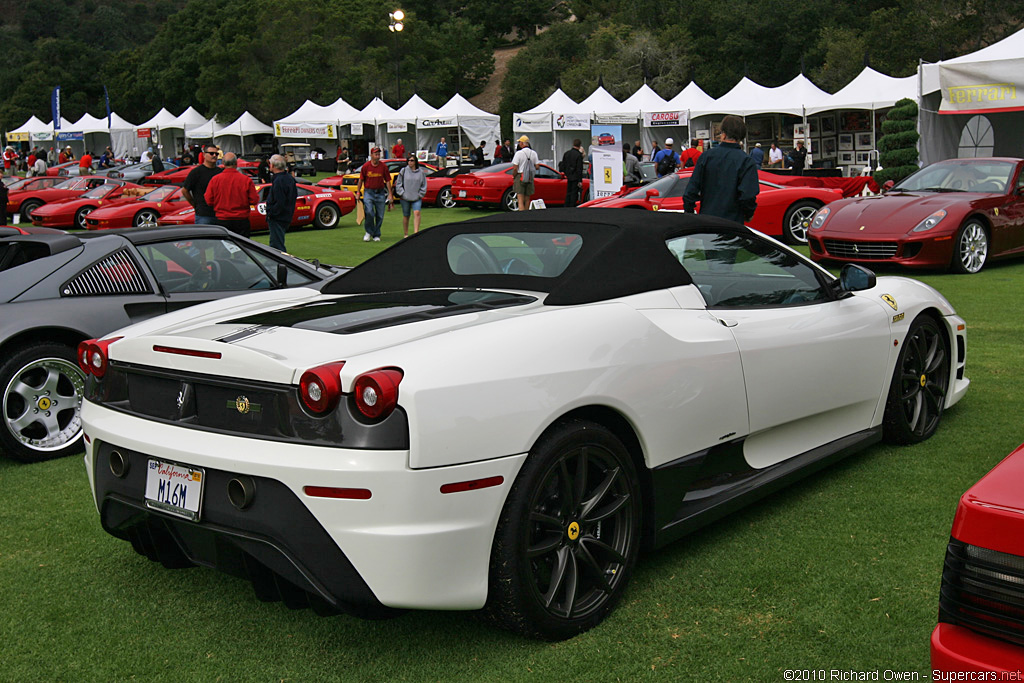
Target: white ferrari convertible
(498, 414)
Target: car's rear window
(538, 254)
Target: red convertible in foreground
(955, 214)
(783, 211)
(981, 602)
(492, 186)
(319, 206)
(71, 212)
(138, 212)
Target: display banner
(614, 118)
(532, 123)
(106, 97)
(606, 168)
(55, 107)
(18, 137)
(397, 126)
(437, 122)
(357, 129)
(981, 88)
(44, 135)
(606, 136)
(572, 122)
(305, 130)
(653, 119)
(78, 135)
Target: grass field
(840, 571)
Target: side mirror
(282, 275)
(888, 185)
(854, 278)
(652, 193)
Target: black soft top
(623, 252)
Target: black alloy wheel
(568, 536)
(920, 381)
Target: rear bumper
(955, 648)
(407, 546)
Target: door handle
(728, 322)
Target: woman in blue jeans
(411, 187)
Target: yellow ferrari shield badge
(887, 298)
(574, 531)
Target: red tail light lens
(93, 358)
(320, 387)
(376, 392)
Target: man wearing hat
(525, 161)
(757, 154)
(376, 180)
(666, 160)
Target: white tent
(188, 118)
(869, 90)
(310, 121)
(659, 120)
(474, 124)
(207, 130)
(97, 134)
(971, 105)
(32, 130)
(402, 125)
(748, 98)
(244, 125)
(161, 126)
(552, 124)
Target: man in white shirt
(525, 161)
(775, 157)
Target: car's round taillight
(83, 356)
(93, 357)
(320, 387)
(376, 392)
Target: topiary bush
(898, 145)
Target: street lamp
(396, 26)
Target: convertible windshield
(159, 194)
(98, 192)
(960, 175)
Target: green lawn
(840, 571)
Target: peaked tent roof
(34, 125)
(645, 99)
(376, 110)
(246, 124)
(414, 108)
(309, 112)
(117, 123)
(90, 124)
(342, 111)
(869, 90)
(1009, 48)
(557, 103)
(748, 98)
(190, 117)
(162, 119)
(691, 97)
(207, 129)
(601, 102)
(460, 106)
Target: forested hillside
(269, 56)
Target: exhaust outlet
(118, 464)
(241, 491)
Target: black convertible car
(59, 289)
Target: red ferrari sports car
(71, 212)
(981, 620)
(955, 214)
(140, 211)
(56, 169)
(783, 211)
(319, 206)
(29, 200)
(168, 176)
(16, 190)
(492, 186)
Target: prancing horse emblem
(887, 298)
(242, 405)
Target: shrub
(898, 144)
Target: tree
(898, 144)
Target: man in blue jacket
(724, 180)
(280, 201)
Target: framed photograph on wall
(828, 147)
(845, 158)
(855, 121)
(864, 141)
(862, 158)
(845, 141)
(828, 124)
(812, 127)
(799, 131)
(759, 128)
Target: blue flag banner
(55, 107)
(106, 96)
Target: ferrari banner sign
(18, 137)
(981, 87)
(437, 122)
(305, 130)
(572, 122)
(653, 119)
(531, 123)
(607, 170)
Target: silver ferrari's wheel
(510, 200)
(146, 219)
(971, 248)
(42, 402)
(445, 199)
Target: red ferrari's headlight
(320, 387)
(376, 392)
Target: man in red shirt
(9, 158)
(65, 156)
(398, 151)
(231, 195)
(374, 176)
(688, 157)
(85, 164)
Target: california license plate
(174, 489)
(462, 193)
